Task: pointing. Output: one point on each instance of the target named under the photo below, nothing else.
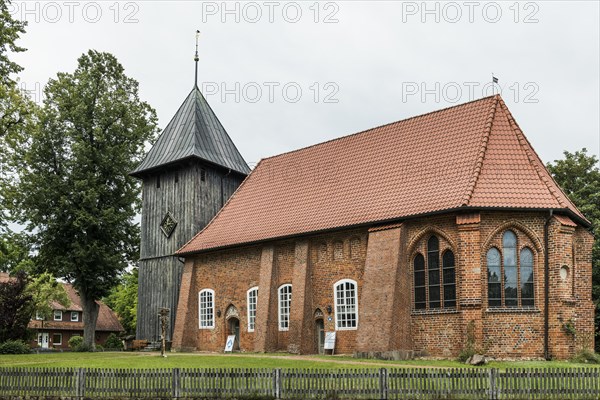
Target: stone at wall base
(476, 359)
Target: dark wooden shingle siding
(192, 203)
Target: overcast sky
(284, 75)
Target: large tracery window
(510, 274)
(346, 312)
(434, 281)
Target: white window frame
(281, 311)
(58, 312)
(76, 315)
(252, 308)
(38, 316)
(211, 308)
(337, 313)
(57, 343)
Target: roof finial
(196, 58)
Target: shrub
(113, 342)
(586, 356)
(469, 349)
(14, 347)
(76, 344)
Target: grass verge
(246, 360)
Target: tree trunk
(90, 317)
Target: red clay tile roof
(107, 319)
(468, 156)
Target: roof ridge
(377, 127)
(482, 151)
(532, 156)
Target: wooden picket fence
(392, 383)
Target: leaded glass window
(510, 274)
(434, 281)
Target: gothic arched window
(510, 274)
(434, 281)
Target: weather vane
(196, 58)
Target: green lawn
(278, 360)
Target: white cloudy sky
(358, 64)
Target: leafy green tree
(123, 300)
(46, 290)
(10, 31)
(15, 253)
(74, 192)
(16, 308)
(13, 104)
(17, 111)
(579, 176)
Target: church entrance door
(320, 334)
(234, 329)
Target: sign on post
(229, 344)
(329, 341)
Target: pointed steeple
(193, 132)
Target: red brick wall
(316, 263)
(230, 274)
(328, 269)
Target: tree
(123, 300)
(16, 308)
(579, 176)
(74, 192)
(17, 111)
(14, 253)
(10, 31)
(45, 290)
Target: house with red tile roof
(67, 322)
(418, 237)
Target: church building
(416, 236)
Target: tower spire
(196, 58)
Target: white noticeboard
(329, 341)
(229, 344)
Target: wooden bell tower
(188, 175)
